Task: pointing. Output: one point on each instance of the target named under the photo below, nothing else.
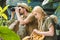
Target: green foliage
(3, 22)
(30, 8)
(0, 0)
(28, 1)
(7, 34)
(51, 0)
(3, 10)
(58, 9)
(3, 16)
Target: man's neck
(25, 13)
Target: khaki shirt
(45, 27)
(31, 25)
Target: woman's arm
(48, 33)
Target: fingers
(16, 9)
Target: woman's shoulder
(47, 18)
(54, 18)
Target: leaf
(0, 8)
(29, 1)
(58, 8)
(7, 34)
(4, 9)
(30, 8)
(4, 15)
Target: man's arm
(12, 15)
(27, 20)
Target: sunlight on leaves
(29, 1)
(5, 16)
(2, 11)
(0, 8)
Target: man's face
(21, 10)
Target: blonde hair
(39, 10)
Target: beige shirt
(31, 25)
(45, 27)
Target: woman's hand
(36, 31)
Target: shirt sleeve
(49, 22)
(30, 18)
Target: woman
(45, 25)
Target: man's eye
(35, 14)
(22, 7)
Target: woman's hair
(39, 10)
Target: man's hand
(17, 9)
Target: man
(30, 21)
(24, 29)
(13, 3)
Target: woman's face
(37, 15)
